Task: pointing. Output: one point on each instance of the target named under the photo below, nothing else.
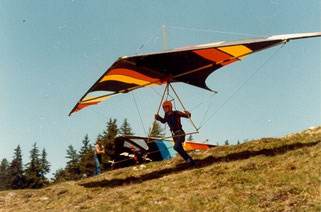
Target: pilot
(173, 119)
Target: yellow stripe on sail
(95, 99)
(126, 79)
(236, 51)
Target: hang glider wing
(156, 150)
(190, 65)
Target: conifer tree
(72, 168)
(34, 171)
(112, 130)
(108, 136)
(60, 175)
(125, 129)
(85, 146)
(158, 131)
(108, 140)
(16, 177)
(226, 142)
(86, 154)
(44, 164)
(4, 174)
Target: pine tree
(87, 164)
(86, 161)
(125, 129)
(85, 146)
(16, 177)
(60, 175)
(72, 168)
(158, 131)
(45, 165)
(108, 137)
(226, 142)
(108, 140)
(34, 171)
(111, 131)
(4, 174)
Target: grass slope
(270, 174)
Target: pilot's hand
(187, 113)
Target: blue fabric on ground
(166, 149)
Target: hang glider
(190, 65)
(156, 150)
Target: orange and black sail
(190, 65)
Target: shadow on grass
(200, 163)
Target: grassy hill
(267, 174)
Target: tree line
(80, 164)
(16, 175)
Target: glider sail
(190, 65)
(156, 150)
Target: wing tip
(295, 36)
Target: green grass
(269, 174)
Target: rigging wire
(201, 102)
(191, 29)
(147, 41)
(242, 85)
(208, 108)
(213, 31)
(98, 113)
(140, 117)
(152, 87)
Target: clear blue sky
(51, 52)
